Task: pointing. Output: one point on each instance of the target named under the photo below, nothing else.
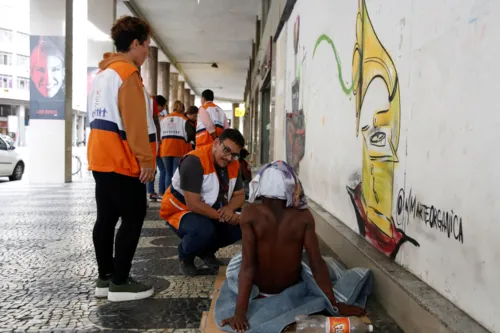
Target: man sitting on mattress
(275, 232)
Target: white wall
(443, 55)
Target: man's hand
(225, 214)
(349, 310)
(238, 323)
(235, 220)
(147, 175)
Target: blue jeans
(201, 235)
(151, 185)
(171, 164)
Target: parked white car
(11, 164)
(7, 139)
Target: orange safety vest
(108, 148)
(174, 136)
(173, 208)
(218, 117)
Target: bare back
(278, 245)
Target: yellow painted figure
(373, 197)
(381, 139)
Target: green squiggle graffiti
(325, 38)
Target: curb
(415, 306)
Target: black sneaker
(210, 260)
(101, 287)
(187, 268)
(129, 291)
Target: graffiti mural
(295, 123)
(372, 198)
(445, 221)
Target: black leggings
(117, 196)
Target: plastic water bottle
(322, 324)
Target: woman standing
(175, 142)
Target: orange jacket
(172, 209)
(123, 134)
(174, 136)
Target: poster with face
(47, 72)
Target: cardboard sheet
(208, 325)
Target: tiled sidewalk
(47, 269)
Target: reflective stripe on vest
(108, 149)
(218, 118)
(172, 209)
(153, 136)
(174, 136)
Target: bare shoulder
(300, 215)
(250, 211)
(254, 212)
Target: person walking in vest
(174, 140)
(121, 156)
(211, 120)
(201, 204)
(159, 106)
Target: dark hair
(192, 110)
(233, 135)
(127, 29)
(244, 153)
(208, 95)
(160, 100)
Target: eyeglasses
(228, 152)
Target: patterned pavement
(47, 268)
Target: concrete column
(181, 91)
(187, 98)
(68, 116)
(21, 132)
(149, 71)
(191, 100)
(174, 90)
(164, 80)
(51, 111)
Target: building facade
(14, 68)
(383, 109)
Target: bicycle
(78, 165)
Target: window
(5, 81)
(5, 36)
(23, 83)
(3, 145)
(23, 61)
(23, 39)
(5, 58)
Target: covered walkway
(258, 58)
(48, 271)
